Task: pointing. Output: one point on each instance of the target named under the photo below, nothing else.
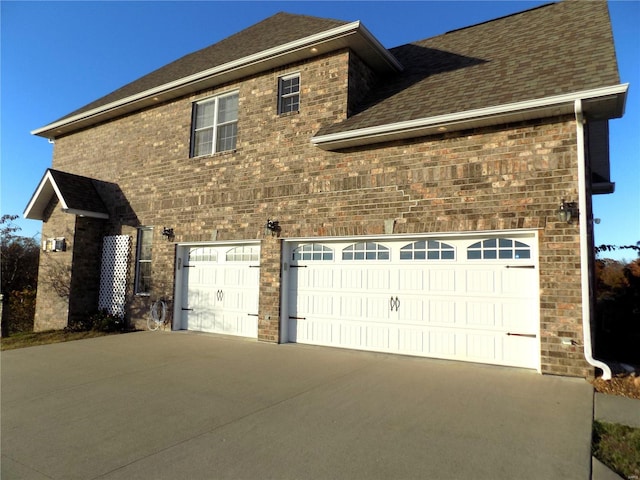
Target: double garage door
(473, 299)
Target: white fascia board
(46, 185)
(263, 56)
(386, 132)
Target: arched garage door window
(313, 251)
(365, 251)
(498, 248)
(427, 250)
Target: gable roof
(76, 194)
(278, 40)
(531, 64)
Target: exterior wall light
(567, 211)
(272, 226)
(168, 232)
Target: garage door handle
(529, 335)
(394, 303)
(187, 309)
(297, 318)
(219, 295)
(521, 266)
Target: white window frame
(282, 96)
(142, 231)
(214, 127)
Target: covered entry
(471, 298)
(217, 288)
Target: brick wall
(509, 177)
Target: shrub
(101, 321)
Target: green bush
(101, 321)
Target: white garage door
(472, 299)
(220, 289)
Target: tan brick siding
(508, 177)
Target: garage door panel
(442, 311)
(442, 343)
(411, 340)
(412, 310)
(480, 314)
(442, 280)
(480, 347)
(429, 300)
(480, 281)
(412, 280)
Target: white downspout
(584, 245)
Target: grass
(618, 447)
(30, 339)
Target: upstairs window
(215, 125)
(289, 93)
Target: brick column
(270, 281)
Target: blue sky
(59, 56)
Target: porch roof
(77, 195)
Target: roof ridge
(502, 17)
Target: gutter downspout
(584, 244)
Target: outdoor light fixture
(567, 211)
(272, 226)
(168, 232)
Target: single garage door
(472, 299)
(220, 289)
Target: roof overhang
(352, 35)
(47, 188)
(599, 104)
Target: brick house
(299, 182)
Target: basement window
(215, 125)
(289, 94)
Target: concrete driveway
(154, 405)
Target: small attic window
(289, 93)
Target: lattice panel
(113, 275)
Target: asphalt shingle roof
(274, 31)
(550, 50)
(78, 192)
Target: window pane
(505, 242)
(506, 254)
(146, 238)
(290, 104)
(204, 114)
(523, 254)
(226, 137)
(447, 255)
(473, 254)
(228, 109)
(491, 243)
(144, 277)
(203, 142)
(490, 254)
(383, 255)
